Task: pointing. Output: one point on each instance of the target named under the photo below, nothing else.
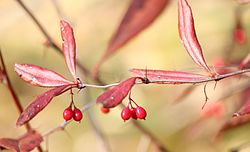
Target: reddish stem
(11, 90)
(14, 96)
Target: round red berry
(141, 112)
(77, 114)
(126, 113)
(105, 110)
(68, 114)
(133, 113)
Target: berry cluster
(137, 112)
(69, 113)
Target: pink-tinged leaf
(39, 76)
(140, 14)
(39, 104)
(114, 96)
(26, 143)
(30, 141)
(69, 46)
(188, 35)
(168, 77)
(245, 61)
(10, 144)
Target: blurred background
(178, 125)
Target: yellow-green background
(158, 47)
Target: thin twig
(11, 90)
(13, 94)
(101, 136)
(57, 8)
(65, 123)
(98, 131)
(147, 133)
(100, 86)
(206, 79)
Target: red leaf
(39, 76)
(114, 96)
(168, 77)
(26, 143)
(39, 104)
(30, 141)
(10, 144)
(188, 35)
(140, 14)
(69, 46)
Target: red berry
(77, 114)
(133, 113)
(68, 114)
(126, 114)
(141, 112)
(105, 110)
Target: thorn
(215, 85)
(206, 98)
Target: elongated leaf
(30, 141)
(39, 104)
(39, 76)
(140, 14)
(69, 46)
(10, 144)
(168, 77)
(114, 96)
(188, 35)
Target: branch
(65, 123)
(96, 127)
(147, 133)
(208, 79)
(13, 94)
(11, 90)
